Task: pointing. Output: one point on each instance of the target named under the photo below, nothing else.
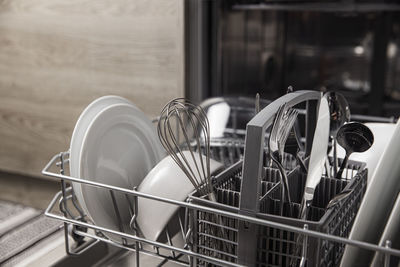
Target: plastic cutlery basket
(253, 189)
(276, 247)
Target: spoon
(339, 114)
(353, 137)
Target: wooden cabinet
(57, 56)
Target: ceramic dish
(391, 232)
(80, 129)
(119, 148)
(165, 180)
(377, 203)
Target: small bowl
(165, 180)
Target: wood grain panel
(57, 56)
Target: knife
(318, 155)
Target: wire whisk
(184, 132)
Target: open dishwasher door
(28, 238)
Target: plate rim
(80, 128)
(152, 140)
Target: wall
(56, 56)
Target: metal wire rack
(87, 234)
(194, 213)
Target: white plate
(391, 232)
(81, 126)
(119, 148)
(165, 180)
(377, 203)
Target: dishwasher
(223, 232)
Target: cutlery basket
(252, 189)
(218, 236)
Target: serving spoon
(353, 137)
(339, 114)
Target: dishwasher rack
(86, 234)
(64, 207)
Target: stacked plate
(116, 144)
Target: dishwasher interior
(235, 50)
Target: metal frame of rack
(75, 226)
(86, 233)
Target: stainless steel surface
(316, 163)
(265, 46)
(317, 156)
(181, 119)
(339, 114)
(321, 7)
(184, 126)
(293, 145)
(338, 198)
(353, 137)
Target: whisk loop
(184, 127)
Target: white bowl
(165, 180)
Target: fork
(292, 147)
(283, 123)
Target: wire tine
(186, 169)
(168, 132)
(204, 169)
(205, 166)
(201, 116)
(198, 145)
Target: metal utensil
(184, 126)
(292, 146)
(315, 167)
(180, 119)
(317, 156)
(339, 198)
(353, 137)
(339, 115)
(283, 123)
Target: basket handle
(252, 162)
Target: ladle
(353, 137)
(339, 114)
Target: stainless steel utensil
(353, 137)
(283, 123)
(184, 126)
(292, 146)
(317, 156)
(180, 119)
(339, 198)
(316, 165)
(339, 115)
